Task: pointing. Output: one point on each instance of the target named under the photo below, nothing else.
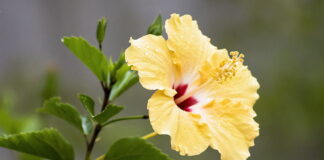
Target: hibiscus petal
(150, 56)
(188, 136)
(240, 88)
(233, 129)
(191, 48)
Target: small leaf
(101, 29)
(109, 112)
(92, 57)
(86, 125)
(47, 143)
(87, 103)
(111, 71)
(156, 28)
(65, 111)
(125, 78)
(121, 61)
(134, 149)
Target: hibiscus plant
(204, 97)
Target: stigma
(182, 100)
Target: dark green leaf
(101, 29)
(86, 125)
(125, 78)
(64, 111)
(134, 149)
(47, 143)
(92, 57)
(109, 112)
(87, 103)
(156, 28)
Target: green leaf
(134, 149)
(109, 112)
(87, 103)
(125, 78)
(156, 28)
(92, 57)
(121, 61)
(65, 111)
(86, 125)
(101, 29)
(47, 143)
(111, 71)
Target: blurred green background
(282, 40)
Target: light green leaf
(47, 143)
(109, 112)
(92, 57)
(156, 28)
(111, 71)
(125, 78)
(101, 29)
(121, 61)
(86, 125)
(134, 149)
(65, 111)
(87, 103)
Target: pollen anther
(228, 68)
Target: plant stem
(100, 46)
(125, 118)
(106, 90)
(98, 127)
(148, 136)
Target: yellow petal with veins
(150, 56)
(233, 128)
(188, 135)
(241, 88)
(191, 48)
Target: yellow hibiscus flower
(204, 95)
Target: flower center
(186, 103)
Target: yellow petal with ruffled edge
(191, 48)
(150, 56)
(241, 88)
(232, 127)
(188, 135)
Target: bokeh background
(282, 40)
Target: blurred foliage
(50, 86)
(12, 122)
